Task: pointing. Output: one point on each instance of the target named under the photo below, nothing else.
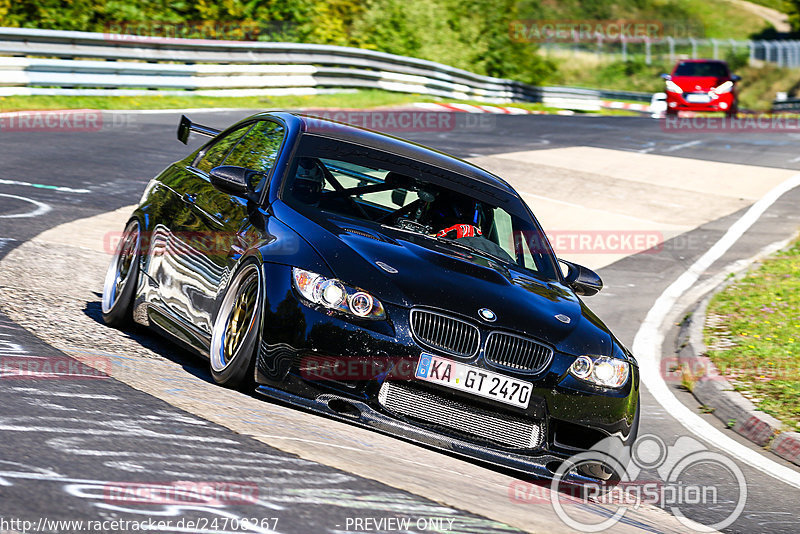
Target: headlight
(335, 295)
(673, 87)
(723, 88)
(601, 370)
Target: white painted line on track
(682, 146)
(58, 188)
(41, 208)
(35, 391)
(649, 339)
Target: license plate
(698, 99)
(474, 380)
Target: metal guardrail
(782, 52)
(65, 62)
(789, 104)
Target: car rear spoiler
(186, 126)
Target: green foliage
(470, 34)
(738, 59)
(760, 320)
(793, 8)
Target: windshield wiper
(468, 247)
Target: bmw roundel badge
(487, 315)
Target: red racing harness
(461, 230)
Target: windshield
(710, 69)
(392, 194)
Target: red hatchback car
(701, 85)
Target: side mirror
(666, 76)
(582, 280)
(234, 181)
(735, 77)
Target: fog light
(673, 104)
(723, 105)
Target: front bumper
(723, 103)
(571, 416)
(543, 465)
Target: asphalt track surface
(47, 468)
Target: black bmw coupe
(377, 281)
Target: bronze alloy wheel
(122, 276)
(236, 328)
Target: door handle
(189, 198)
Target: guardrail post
(752, 46)
(647, 56)
(693, 42)
(599, 45)
(671, 43)
(624, 48)
(715, 44)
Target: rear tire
(234, 338)
(122, 277)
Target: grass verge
(365, 99)
(755, 340)
(357, 99)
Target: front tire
(234, 338)
(122, 277)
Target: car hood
(691, 84)
(440, 276)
